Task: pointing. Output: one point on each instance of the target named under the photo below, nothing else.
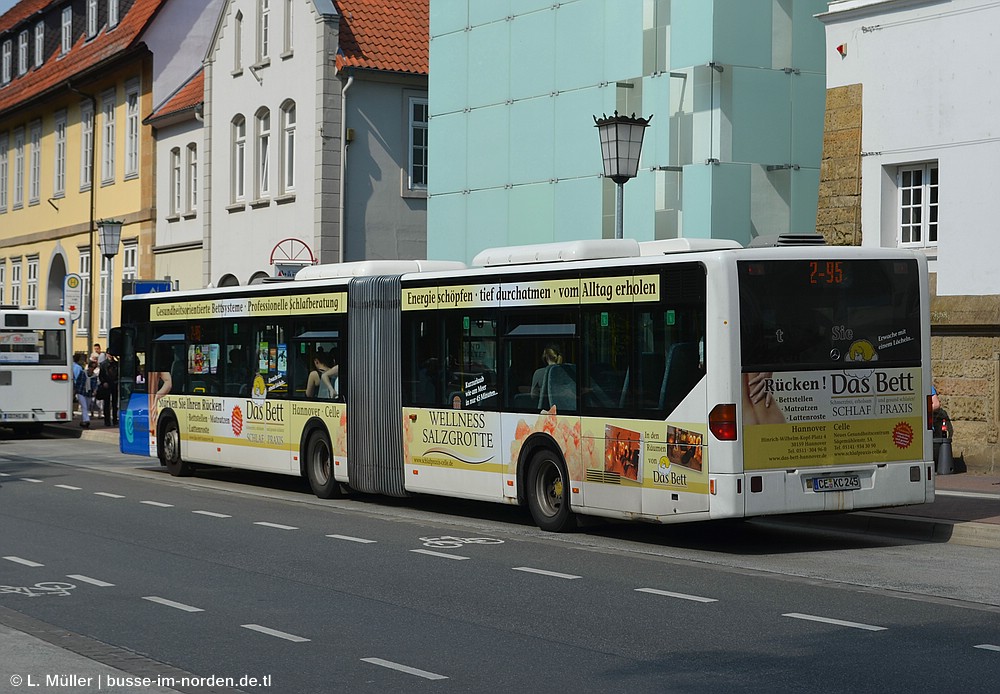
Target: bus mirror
(115, 342)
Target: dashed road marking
(279, 526)
(275, 632)
(987, 647)
(837, 622)
(159, 504)
(91, 581)
(109, 495)
(669, 594)
(438, 554)
(352, 539)
(404, 668)
(67, 486)
(24, 562)
(213, 514)
(543, 572)
(31, 479)
(171, 603)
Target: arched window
(239, 191)
(288, 147)
(228, 281)
(175, 181)
(263, 153)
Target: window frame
(113, 17)
(262, 154)
(132, 134)
(4, 170)
(66, 30)
(83, 324)
(35, 163)
(86, 144)
(926, 210)
(39, 44)
(109, 108)
(8, 61)
(31, 281)
(174, 209)
(289, 122)
(238, 127)
(263, 31)
(59, 155)
(417, 130)
(92, 25)
(19, 166)
(22, 52)
(191, 177)
(15, 281)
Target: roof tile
(388, 35)
(188, 96)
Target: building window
(918, 205)
(263, 149)
(35, 165)
(192, 177)
(83, 325)
(132, 129)
(239, 158)
(130, 260)
(4, 172)
(418, 143)
(263, 29)
(59, 180)
(91, 18)
(175, 182)
(22, 52)
(31, 286)
(18, 169)
(102, 320)
(112, 13)
(3, 280)
(8, 48)
(289, 35)
(288, 147)
(108, 145)
(15, 282)
(67, 29)
(39, 44)
(86, 144)
(238, 42)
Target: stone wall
(838, 217)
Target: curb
(897, 526)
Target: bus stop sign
(73, 295)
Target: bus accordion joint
(722, 421)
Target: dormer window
(67, 29)
(22, 52)
(91, 18)
(39, 44)
(8, 57)
(112, 13)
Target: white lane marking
(212, 514)
(543, 572)
(837, 622)
(988, 647)
(160, 504)
(31, 479)
(66, 486)
(438, 554)
(969, 495)
(109, 495)
(25, 562)
(4, 474)
(275, 632)
(351, 539)
(669, 594)
(404, 668)
(279, 526)
(91, 581)
(171, 603)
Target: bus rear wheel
(319, 466)
(548, 493)
(170, 449)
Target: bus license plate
(842, 483)
(14, 415)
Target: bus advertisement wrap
(849, 417)
(307, 304)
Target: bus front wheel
(548, 493)
(170, 450)
(319, 466)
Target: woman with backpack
(81, 388)
(107, 390)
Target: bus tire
(548, 493)
(170, 449)
(319, 466)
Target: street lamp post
(621, 142)
(109, 236)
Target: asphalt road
(239, 575)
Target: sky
(6, 5)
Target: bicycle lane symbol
(40, 589)
(451, 542)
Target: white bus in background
(36, 368)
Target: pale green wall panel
(691, 32)
(447, 153)
(696, 198)
(656, 101)
(761, 115)
(576, 145)
(532, 124)
(532, 55)
(622, 38)
(447, 16)
(490, 11)
(531, 214)
(743, 32)
(731, 202)
(577, 209)
(808, 110)
(489, 78)
(488, 147)
(446, 234)
(809, 36)
(580, 45)
(638, 213)
(519, 7)
(488, 219)
(805, 199)
(448, 87)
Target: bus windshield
(813, 314)
(27, 346)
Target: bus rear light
(722, 421)
(62, 415)
(62, 321)
(60, 377)
(711, 486)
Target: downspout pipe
(343, 164)
(93, 203)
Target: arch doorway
(54, 287)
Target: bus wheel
(319, 467)
(548, 493)
(170, 449)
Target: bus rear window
(33, 347)
(819, 314)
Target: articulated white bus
(36, 368)
(664, 381)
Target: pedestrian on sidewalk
(93, 374)
(81, 388)
(107, 390)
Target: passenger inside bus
(550, 355)
(323, 379)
